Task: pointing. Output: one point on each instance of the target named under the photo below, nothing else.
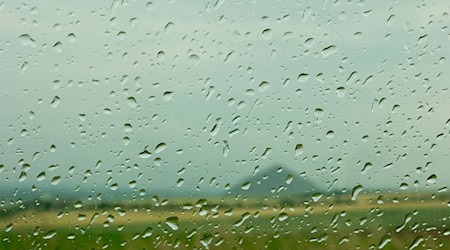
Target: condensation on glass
(219, 124)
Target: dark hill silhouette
(274, 181)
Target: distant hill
(274, 181)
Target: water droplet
(246, 185)
(55, 102)
(167, 96)
(55, 180)
(161, 55)
(340, 91)
(298, 149)
(71, 236)
(289, 179)
(131, 101)
(384, 241)
(330, 134)
(180, 182)
(172, 222)
(416, 242)
(326, 52)
(356, 190)
(127, 128)
(27, 40)
(432, 179)
(57, 47)
(266, 34)
(263, 86)
(41, 176)
(303, 77)
(71, 37)
(9, 227)
(49, 235)
(317, 196)
(145, 154)
(147, 232)
(366, 167)
(22, 176)
(206, 240)
(283, 216)
(149, 6)
(169, 27)
(357, 35)
(160, 147)
(194, 59)
(121, 35)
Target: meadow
(222, 224)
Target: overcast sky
(223, 87)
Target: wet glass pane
(224, 124)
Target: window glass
(224, 124)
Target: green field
(322, 226)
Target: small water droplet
(326, 52)
(356, 190)
(283, 216)
(246, 185)
(167, 96)
(263, 86)
(330, 134)
(172, 222)
(160, 147)
(432, 179)
(57, 47)
(49, 235)
(340, 91)
(303, 77)
(122, 35)
(266, 34)
(71, 37)
(298, 149)
(27, 40)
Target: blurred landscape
(273, 209)
(224, 124)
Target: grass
(336, 228)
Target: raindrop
(298, 149)
(326, 52)
(169, 27)
(122, 35)
(55, 102)
(27, 40)
(263, 86)
(145, 154)
(303, 77)
(289, 179)
(160, 56)
(246, 185)
(57, 47)
(340, 91)
(356, 190)
(160, 147)
(131, 101)
(49, 235)
(167, 96)
(147, 232)
(172, 222)
(55, 181)
(432, 179)
(330, 134)
(194, 59)
(283, 216)
(384, 241)
(266, 34)
(71, 37)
